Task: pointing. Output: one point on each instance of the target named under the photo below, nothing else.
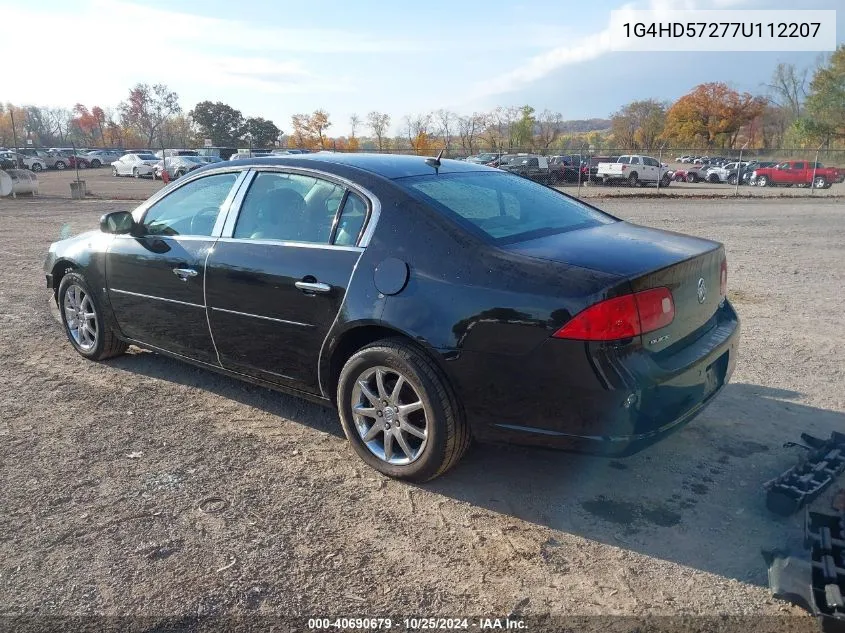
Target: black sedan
(430, 302)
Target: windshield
(503, 207)
(147, 157)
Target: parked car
(178, 166)
(438, 301)
(52, 159)
(99, 157)
(220, 152)
(796, 172)
(725, 173)
(137, 165)
(33, 163)
(483, 158)
(7, 160)
(538, 168)
(633, 169)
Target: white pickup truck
(635, 170)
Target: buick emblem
(702, 290)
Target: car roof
(386, 165)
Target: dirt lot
(144, 486)
(102, 185)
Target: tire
(713, 179)
(632, 180)
(665, 181)
(692, 178)
(447, 435)
(732, 179)
(75, 294)
(60, 165)
(96, 164)
(36, 167)
(135, 172)
(114, 172)
(83, 165)
(762, 181)
(820, 182)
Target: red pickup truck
(797, 172)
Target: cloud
(581, 50)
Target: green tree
(826, 101)
(263, 132)
(218, 121)
(522, 131)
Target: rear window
(503, 207)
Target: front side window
(192, 209)
(290, 208)
(503, 208)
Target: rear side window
(352, 218)
(625, 160)
(798, 166)
(502, 207)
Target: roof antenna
(435, 162)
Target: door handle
(184, 273)
(312, 286)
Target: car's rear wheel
(83, 320)
(60, 165)
(96, 164)
(114, 171)
(691, 177)
(399, 413)
(36, 167)
(135, 172)
(732, 179)
(632, 180)
(820, 182)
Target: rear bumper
(603, 399)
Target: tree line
(799, 107)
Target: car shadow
(696, 498)
(152, 365)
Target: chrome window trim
(266, 318)
(143, 296)
(141, 210)
(373, 203)
(319, 245)
(235, 208)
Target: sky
(275, 58)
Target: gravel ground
(142, 486)
(102, 185)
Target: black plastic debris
(816, 584)
(804, 482)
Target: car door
(155, 276)
(798, 173)
(278, 276)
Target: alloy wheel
(389, 415)
(80, 317)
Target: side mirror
(117, 223)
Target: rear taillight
(621, 317)
(723, 279)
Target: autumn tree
(638, 124)
(445, 120)
(88, 126)
(301, 137)
(379, 123)
(220, 122)
(318, 123)
(469, 128)
(712, 112)
(417, 127)
(147, 108)
(548, 128)
(263, 132)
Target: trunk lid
(648, 258)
